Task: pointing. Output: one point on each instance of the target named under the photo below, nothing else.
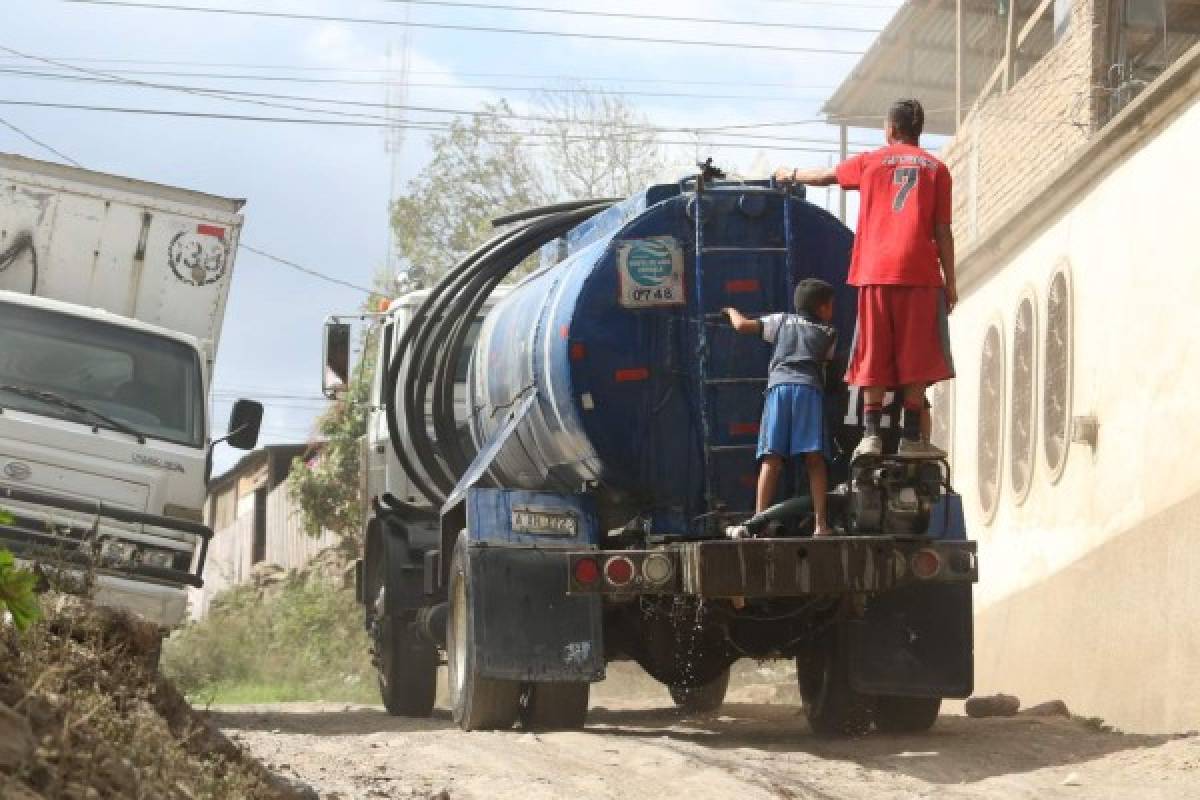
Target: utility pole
(397, 114)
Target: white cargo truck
(112, 297)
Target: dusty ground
(637, 746)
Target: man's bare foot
(823, 531)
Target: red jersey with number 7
(905, 191)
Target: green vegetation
(326, 487)
(17, 587)
(300, 640)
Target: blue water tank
(599, 351)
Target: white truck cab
(382, 472)
(112, 296)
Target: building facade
(254, 521)
(1071, 424)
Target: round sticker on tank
(650, 262)
(199, 257)
(651, 272)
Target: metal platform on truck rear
(791, 567)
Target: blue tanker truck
(550, 466)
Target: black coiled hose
(427, 352)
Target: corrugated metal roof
(914, 56)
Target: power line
(39, 143)
(345, 123)
(237, 95)
(185, 89)
(241, 12)
(626, 15)
(384, 71)
(306, 270)
(246, 97)
(300, 67)
(452, 86)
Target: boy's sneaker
(737, 532)
(871, 446)
(919, 448)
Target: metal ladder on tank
(708, 384)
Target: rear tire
(703, 699)
(407, 669)
(906, 714)
(832, 707)
(477, 703)
(555, 706)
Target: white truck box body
(125, 282)
(141, 250)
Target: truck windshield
(140, 381)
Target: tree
(598, 145)
(479, 170)
(583, 144)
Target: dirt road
(637, 746)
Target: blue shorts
(793, 421)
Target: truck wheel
(407, 669)
(702, 699)
(555, 706)
(906, 714)
(832, 707)
(477, 703)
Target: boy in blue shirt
(793, 421)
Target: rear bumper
(43, 539)
(775, 567)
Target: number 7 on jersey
(906, 178)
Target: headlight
(117, 551)
(154, 557)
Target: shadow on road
(356, 721)
(957, 749)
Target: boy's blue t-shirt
(803, 344)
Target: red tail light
(587, 571)
(926, 564)
(618, 570)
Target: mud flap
(527, 628)
(915, 642)
(403, 571)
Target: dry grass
(106, 724)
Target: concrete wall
(1088, 585)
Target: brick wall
(1013, 140)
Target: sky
(318, 195)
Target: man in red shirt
(903, 266)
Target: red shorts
(902, 337)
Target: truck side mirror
(335, 376)
(244, 423)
